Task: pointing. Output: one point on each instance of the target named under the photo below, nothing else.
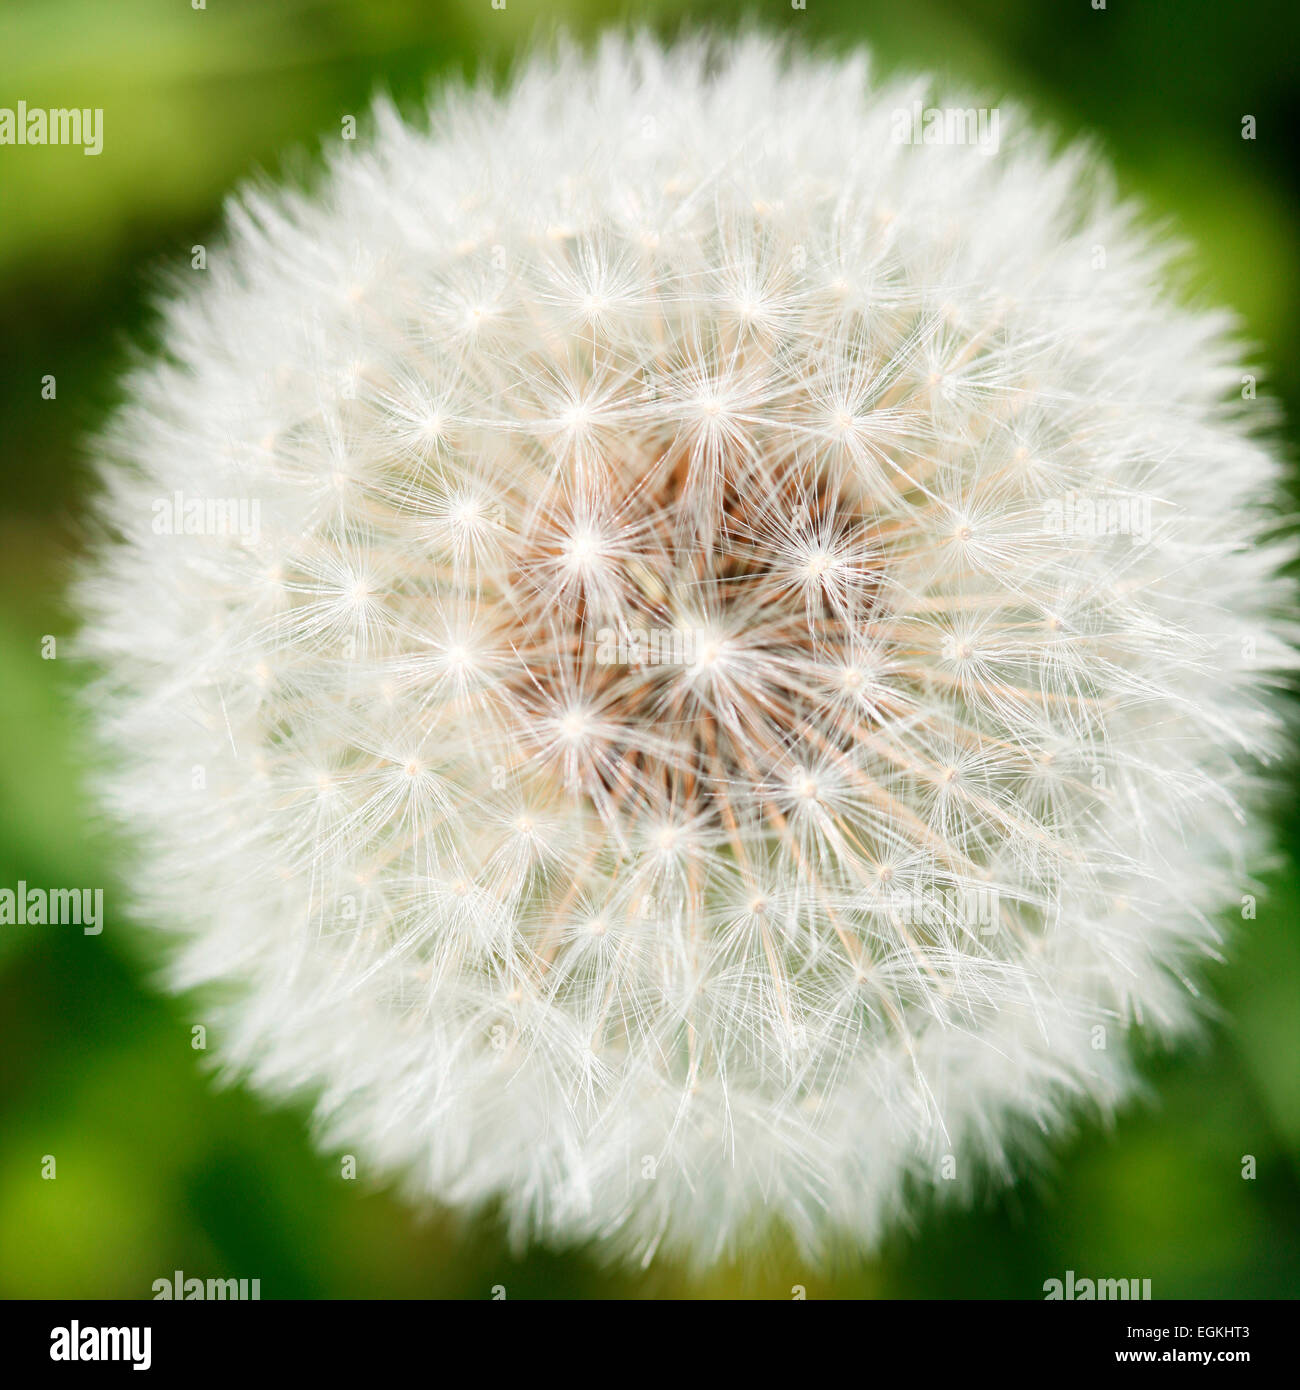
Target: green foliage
(157, 1168)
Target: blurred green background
(157, 1169)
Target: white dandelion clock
(745, 667)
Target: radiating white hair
(752, 666)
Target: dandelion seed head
(702, 685)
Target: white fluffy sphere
(678, 659)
